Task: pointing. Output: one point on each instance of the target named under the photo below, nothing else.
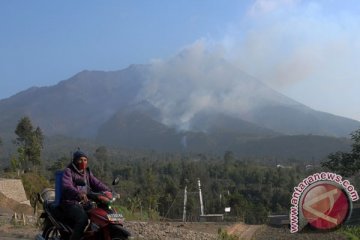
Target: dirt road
(243, 231)
(14, 238)
(189, 231)
(9, 231)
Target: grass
(137, 215)
(351, 232)
(223, 235)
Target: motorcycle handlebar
(104, 197)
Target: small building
(278, 220)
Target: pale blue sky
(307, 50)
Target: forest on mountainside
(152, 183)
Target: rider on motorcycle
(73, 194)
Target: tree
(101, 165)
(346, 163)
(15, 164)
(30, 143)
(59, 164)
(150, 189)
(36, 146)
(228, 159)
(101, 155)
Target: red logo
(325, 206)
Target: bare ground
(190, 231)
(18, 231)
(139, 230)
(243, 231)
(283, 233)
(160, 230)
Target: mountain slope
(137, 130)
(197, 102)
(302, 120)
(74, 107)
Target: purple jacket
(71, 192)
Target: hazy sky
(307, 50)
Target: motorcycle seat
(55, 210)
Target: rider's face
(82, 163)
(81, 160)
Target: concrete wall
(14, 189)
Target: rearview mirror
(116, 180)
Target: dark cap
(78, 154)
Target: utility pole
(201, 200)
(185, 200)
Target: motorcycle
(105, 223)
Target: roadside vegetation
(223, 235)
(351, 232)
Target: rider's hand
(108, 194)
(83, 198)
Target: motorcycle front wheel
(51, 233)
(118, 232)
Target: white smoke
(198, 80)
(296, 47)
(260, 7)
(186, 84)
(281, 44)
(306, 49)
